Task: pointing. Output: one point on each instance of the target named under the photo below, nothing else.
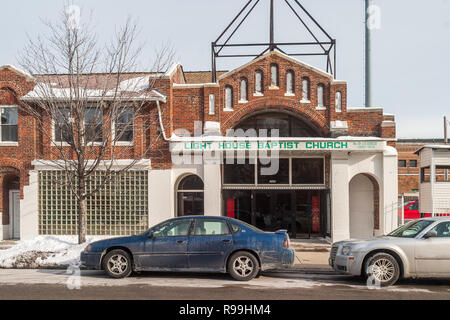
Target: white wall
(29, 215)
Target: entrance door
(273, 211)
(14, 213)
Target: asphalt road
(92, 285)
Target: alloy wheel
(243, 266)
(383, 270)
(117, 264)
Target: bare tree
(93, 97)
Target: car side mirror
(430, 234)
(150, 234)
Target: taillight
(286, 242)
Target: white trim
(228, 109)
(258, 94)
(321, 108)
(17, 70)
(305, 101)
(243, 101)
(46, 165)
(289, 94)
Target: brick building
(409, 164)
(337, 168)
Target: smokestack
(368, 62)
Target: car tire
(243, 266)
(117, 264)
(381, 269)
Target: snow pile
(45, 251)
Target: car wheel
(117, 264)
(243, 266)
(382, 270)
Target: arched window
(243, 97)
(290, 82)
(338, 101)
(274, 75)
(320, 95)
(190, 196)
(305, 90)
(228, 98)
(287, 125)
(212, 104)
(258, 82)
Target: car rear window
(248, 226)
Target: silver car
(418, 249)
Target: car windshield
(411, 229)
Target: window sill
(258, 94)
(9, 144)
(272, 87)
(305, 101)
(123, 144)
(243, 101)
(289, 94)
(321, 108)
(228, 110)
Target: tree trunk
(82, 205)
(82, 220)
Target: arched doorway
(190, 196)
(364, 193)
(9, 182)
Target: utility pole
(445, 130)
(368, 64)
(272, 46)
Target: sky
(411, 45)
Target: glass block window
(120, 208)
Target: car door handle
(180, 241)
(226, 240)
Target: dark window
(124, 125)
(190, 196)
(9, 124)
(425, 174)
(93, 124)
(442, 173)
(402, 163)
(239, 173)
(63, 128)
(443, 230)
(273, 171)
(307, 171)
(191, 183)
(413, 163)
(286, 125)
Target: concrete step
(6, 244)
(310, 245)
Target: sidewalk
(311, 256)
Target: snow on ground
(44, 251)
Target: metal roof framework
(327, 48)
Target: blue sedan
(193, 243)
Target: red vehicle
(411, 210)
